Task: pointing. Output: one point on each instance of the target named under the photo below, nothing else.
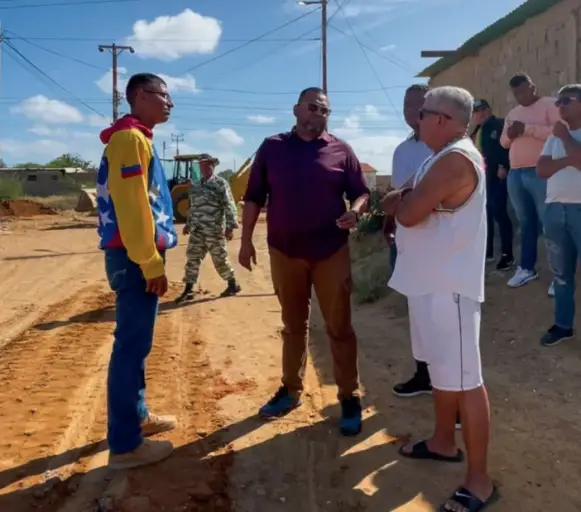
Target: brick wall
(547, 47)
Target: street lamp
(323, 4)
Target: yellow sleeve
(129, 156)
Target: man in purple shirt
(306, 175)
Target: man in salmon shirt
(136, 228)
(526, 129)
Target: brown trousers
(293, 279)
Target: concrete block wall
(547, 47)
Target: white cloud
(223, 138)
(173, 37)
(44, 110)
(45, 131)
(260, 119)
(30, 150)
(185, 83)
(98, 121)
(105, 83)
(376, 145)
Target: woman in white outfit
(444, 216)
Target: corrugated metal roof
(495, 31)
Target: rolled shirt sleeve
(355, 186)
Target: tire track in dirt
(53, 387)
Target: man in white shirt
(441, 237)
(407, 159)
(560, 164)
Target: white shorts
(445, 334)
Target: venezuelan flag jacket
(133, 199)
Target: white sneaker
(551, 291)
(522, 277)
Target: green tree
(70, 160)
(226, 174)
(2, 164)
(28, 165)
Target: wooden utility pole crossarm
(177, 139)
(115, 51)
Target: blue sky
(227, 106)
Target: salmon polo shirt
(306, 183)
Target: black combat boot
(187, 294)
(232, 289)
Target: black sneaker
(416, 386)
(556, 335)
(506, 263)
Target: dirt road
(216, 361)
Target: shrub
(372, 221)
(10, 189)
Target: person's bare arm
(546, 166)
(573, 149)
(453, 177)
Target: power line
(243, 45)
(162, 39)
(369, 61)
(54, 52)
(64, 3)
(41, 72)
(373, 50)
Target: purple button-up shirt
(305, 183)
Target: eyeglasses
(565, 100)
(165, 95)
(324, 111)
(427, 112)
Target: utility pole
(115, 51)
(163, 149)
(177, 139)
(324, 21)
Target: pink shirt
(539, 119)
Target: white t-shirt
(407, 159)
(565, 185)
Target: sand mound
(24, 208)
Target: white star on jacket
(103, 191)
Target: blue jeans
(527, 194)
(563, 239)
(135, 314)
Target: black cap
(481, 104)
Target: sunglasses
(427, 112)
(565, 100)
(314, 108)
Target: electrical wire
(62, 3)
(243, 45)
(395, 111)
(52, 80)
(159, 40)
(54, 52)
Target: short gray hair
(457, 99)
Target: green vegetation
(10, 189)
(65, 160)
(370, 254)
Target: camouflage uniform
(212, 210)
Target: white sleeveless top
(446, 252)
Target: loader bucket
(87, 201)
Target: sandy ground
(216, 361)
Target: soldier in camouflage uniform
(211, 222)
